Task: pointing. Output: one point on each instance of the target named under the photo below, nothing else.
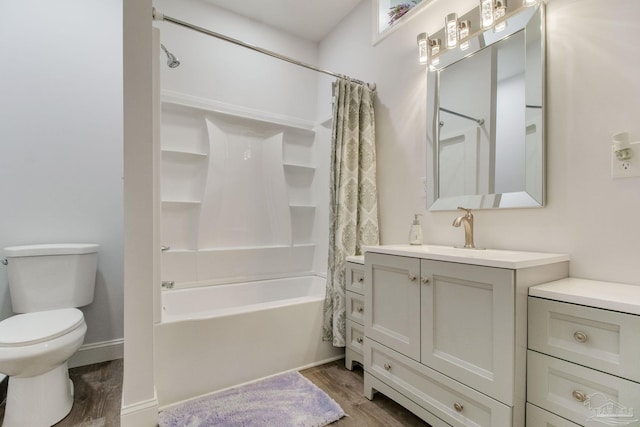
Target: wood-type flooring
(98, 391)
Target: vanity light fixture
(530, 2)
(486, 13)
(423, 48)
(451, 29)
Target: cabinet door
(392, 302)
(468, 325)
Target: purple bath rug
(286, 400)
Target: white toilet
(46, 282)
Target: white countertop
(594, 293)
(358, 259)
(485, 257)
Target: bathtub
(214, 337)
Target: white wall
(592, 92)
(61, 139)
(218, 70)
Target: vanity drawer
(537, 417)
(578, 393)
(449, 400)
(605, 340)
(355, 336)
(355, 307)
(354, 280)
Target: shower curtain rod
(158, 16)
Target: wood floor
(98, 391)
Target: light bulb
(486, 13)
(451, 27)
(423, 51)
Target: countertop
(484, 257)
(593, 293)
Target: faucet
(467, 220)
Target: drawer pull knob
(579, 396)
(360, 309)
(412, 277)
(580, 336)
(424, 280)
(359, 339)
(387, 367)
(458, 407)
(360, 279)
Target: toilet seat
(33, 328)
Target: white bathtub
(214, 337)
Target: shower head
(172, 61)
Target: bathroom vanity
(584, 348)
(446, 330)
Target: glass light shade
(486, 13)
(451, 28)
(423, 50)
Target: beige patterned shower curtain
(353, 204)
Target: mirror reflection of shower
(172, 61)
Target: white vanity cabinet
(445, 330)
(584, 352)
(354, 284)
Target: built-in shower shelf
(184, 154)
(211, 106)
(302, 207)
(299, 167)
(181, 202)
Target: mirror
(485, 112)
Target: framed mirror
(485, 119)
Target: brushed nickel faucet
(467, 220)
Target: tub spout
(467, 221)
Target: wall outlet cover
(626, 168)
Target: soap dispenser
(415, 235)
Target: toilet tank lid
(51, 249)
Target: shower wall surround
(237, 193)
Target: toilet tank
(48, 277)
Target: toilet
(46, 284)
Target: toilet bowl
(34, 349)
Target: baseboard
(140, 414)
(88, 354)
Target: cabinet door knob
(387, 367)
(412, 277)
(424, 280)
(579, 396)
(359, 340)
(580, 336)
(458, 407)
(360, 279)
(360, 309)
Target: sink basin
(487, 257)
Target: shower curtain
(353, 204)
